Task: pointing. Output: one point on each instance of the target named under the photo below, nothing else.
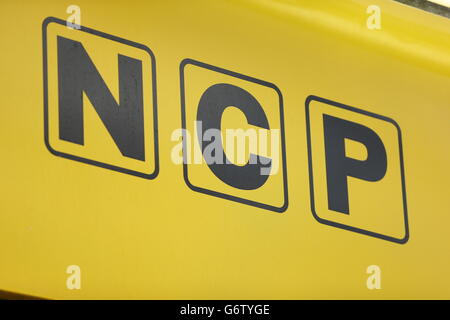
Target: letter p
(339, 166)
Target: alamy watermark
(229, 146)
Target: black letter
(339, 166)
(212, 104)
(124, 121)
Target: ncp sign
(101, 108)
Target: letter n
(124, 121)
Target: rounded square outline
(311, 174)
(152, 175)
(261, 205)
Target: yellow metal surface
(158, 238)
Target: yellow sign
(237, 126)
(84, 119)
(245, 149)
(356, 170)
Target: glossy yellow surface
(158, 239)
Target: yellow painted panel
(154, 237)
